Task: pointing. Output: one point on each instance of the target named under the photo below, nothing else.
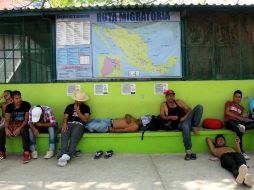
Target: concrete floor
(120, 172)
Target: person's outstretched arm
(237, 142)
(211, 146)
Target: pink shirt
(234, 108)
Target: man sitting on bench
(183, 118)
(231, 160)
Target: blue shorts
(99, 125)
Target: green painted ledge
(154, 142)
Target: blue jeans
(52, 139)
(192, 120)
(98, 125)
(70, 139)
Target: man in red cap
(183, 118)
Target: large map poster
(136, 49)
(122, 45)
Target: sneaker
(77, 153)
(242, 173)
(187, 157)
(2, 155)
(34, 154)
(248, 180)
(241, 128)
(26, 157)
(49, 154)
(246, 157)
(63, 160)
(191, 156)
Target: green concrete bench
(154, 141)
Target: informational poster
(119, 44)
(73, 47)
(128, 89)
(101, 89)
(159, 88)
(71, 88)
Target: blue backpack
(252, 108)
(252, 105)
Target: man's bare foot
(195, 130)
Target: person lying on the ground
(232, 160)
(122, 125)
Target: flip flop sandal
(108, 154)
(98, 154)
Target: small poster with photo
(128, 89)
(71, 88)
(100, 89)
(159, 88)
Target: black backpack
(153, 125)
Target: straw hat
(80, 96)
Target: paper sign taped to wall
(100, 89)
(128, 89)
(159, 88)
(71, 88)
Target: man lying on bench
(121, 125)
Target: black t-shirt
(73, 116)
(18, 114)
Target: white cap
(36, 114)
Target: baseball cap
(169, 91)
(36, 114)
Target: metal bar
(13, 47)
(240, 19)
(53, 51)
(184, 61)
(4, 58)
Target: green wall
(211, 94)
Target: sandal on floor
(98, 154)
(108, 154)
